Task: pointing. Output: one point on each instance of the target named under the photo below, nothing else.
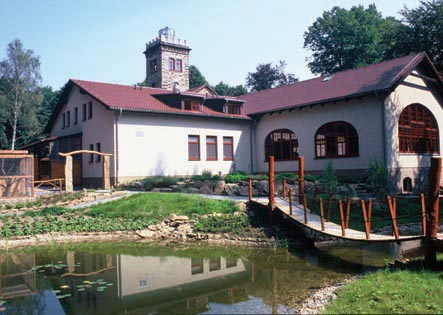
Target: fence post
(348, 212)
(392, 204)
(322, 215)
(284, 187)
(271, 188)
(365, 218)
(423, 212)
(301, 178)
(290, 201)
(342, 219)
(432, 210)
(305, 209)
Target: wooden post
(305, 209)
(423, 213)
(106, 176)
(284, 187)
(271, 203)
(301, 178)
(250, 189)
(68, 174)
(290, 201)
(348, 212)
(432, 210)
(329, 207)
(393, 212)
(342, 218)
(322, 216)
(365, 219)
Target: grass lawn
(391, 292)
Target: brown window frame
(191, 105)
(228, 142)
(84, 112)
(336, 139)
(98, 148)
(282, 144)
(233, 109)
(418, 131)
(211, 144)
(171, 64)
(191, 143)
(178, 65)
(76, 116)
(90, 110)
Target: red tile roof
(126, 97)
(373, 78)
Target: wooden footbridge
(320, 224)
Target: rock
(244, 191)
(219, 187)
(174, 223)
(232, 189)
(207, 187)
(192, 190)
(262, 187)
(145, 233)
(174, 217)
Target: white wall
(365, 115)
(157, 144)
(98, 129)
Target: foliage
(288, 175)
(227, 223)
(391, 292)
(378, 178)
(329, 178)
(344, 39)
(240, 176)
(20, 73)
(267, 76)
(205, 175)
(158, 181)
(424, 31)
(224, 89)
(195, 77)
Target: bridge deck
(331, 229)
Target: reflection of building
(16, 277)
(145, 274)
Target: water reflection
(141, 279)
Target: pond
(144, 278)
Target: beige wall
(365, 115)
(98, 129)
(155, 144)
(401, 165)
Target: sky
(104, 40)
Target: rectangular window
(194, 148)
(76, 116)
(196, 265)
(171, 64)
(63, 121)
(89, 110)
(68, 119)
(192, 105)
(228, 148)
(211, 148)
(84, 112)
(98, 148)
(178, 65)
(214, 264)
(234, 109)
(91, 155)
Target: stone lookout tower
(167, 61)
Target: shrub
(378, 178)
(329, 178)
(158, 181)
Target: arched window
(282, 144)
(336, 139)
(417, 130)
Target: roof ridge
(118, 84)
(281, 86)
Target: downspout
(116, 153)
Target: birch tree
(20, 71)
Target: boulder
(219, 187)
(232, 189)
(262, 187)
(145, 233)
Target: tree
(425, 30)
(227, 90)
(268, 76)
(195, 77)
(20, 72)
(345, 39)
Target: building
(387, 111)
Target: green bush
(287, 175)
(159, 182)
(378, 178)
